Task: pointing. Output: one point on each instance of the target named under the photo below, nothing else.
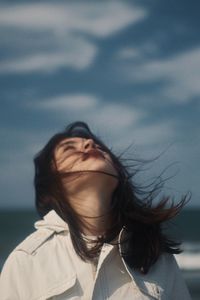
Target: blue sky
(131, 69)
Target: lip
(93, 153)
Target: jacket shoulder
(34, 241)
(166, 273)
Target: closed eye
(100, 148)
(66, 148)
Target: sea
(16, 225)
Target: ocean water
(16, 225)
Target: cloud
(152, 137)
(116, 117)
(99, 18)
(69, 102)
(154, 133)
(137, 53)
(51, 61)
(180, 73)
(61, 24)
(128, 53)
(119, 122)
(91, 108)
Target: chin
(98, 179)
(101, 166)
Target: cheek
(70, 164)
(67, 163)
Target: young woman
(99, 237)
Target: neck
(90, 196)
(93, 207)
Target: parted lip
(94, 153)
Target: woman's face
(81, 154)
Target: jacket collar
(52, 221)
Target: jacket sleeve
(178, 289)
(11, 278)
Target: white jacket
(43, 267)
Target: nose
(89, 144)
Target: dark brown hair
(131, 207)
